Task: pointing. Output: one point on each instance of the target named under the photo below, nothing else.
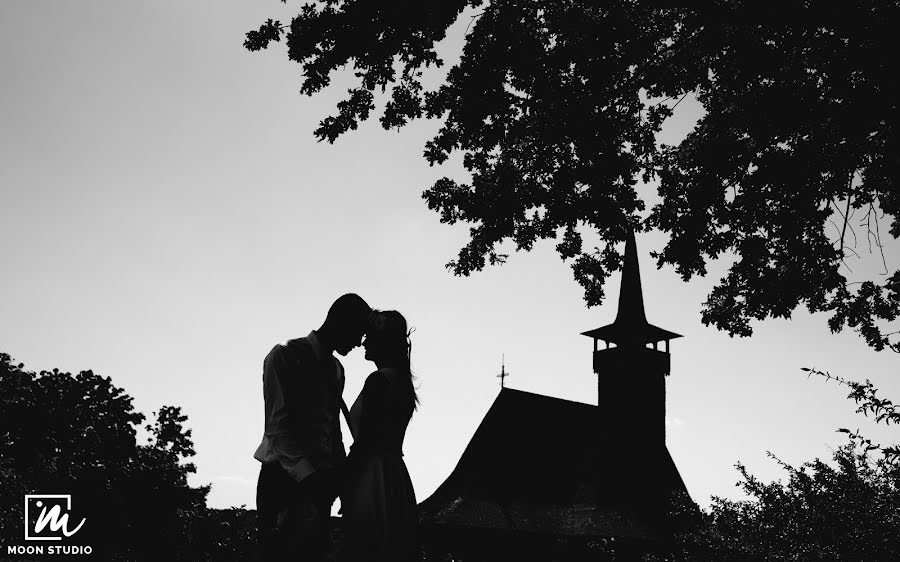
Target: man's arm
(280, 370)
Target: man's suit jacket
(302, 386)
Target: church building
(544, 478)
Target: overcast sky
(166, 217)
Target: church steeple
(631, 326)
(631, 385)
(631, 295)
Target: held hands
(323, 485)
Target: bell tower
(631, 374)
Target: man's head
(346, 323)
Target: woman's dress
(379, 507)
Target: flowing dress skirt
(380, 515)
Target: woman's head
(387, 343)
(387, 339)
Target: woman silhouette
(379, 506)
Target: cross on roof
(503, 374)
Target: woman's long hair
(389, 328)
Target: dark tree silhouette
(549, 108)
(75, 434)
(845, 509)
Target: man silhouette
(302, 449)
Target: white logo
(51, 511)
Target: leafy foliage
(225, 535)
(76, 434)
(883, 410)
(848, 509)
(555, 105)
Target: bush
(848, 509)
(76, 434)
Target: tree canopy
(76, 434)
(555, 106)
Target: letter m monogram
(50, 514)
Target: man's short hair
(348, 309)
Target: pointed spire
(631, 296)
(631, 325)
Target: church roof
(532, 466)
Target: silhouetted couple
(304, 467)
